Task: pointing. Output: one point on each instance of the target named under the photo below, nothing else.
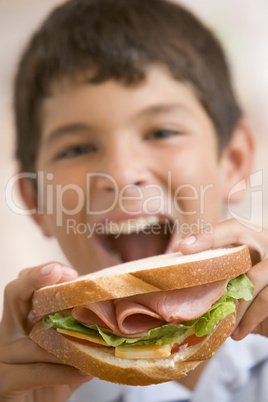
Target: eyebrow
(72, 128)
(160, 109)
(67, 129)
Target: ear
(237, 161)
(29, 195)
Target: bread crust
(115, 282)
(100, 363)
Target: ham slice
(182, 304)
(135, 318)
(136, 315)
(124, 318)
(100, 313)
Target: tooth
(131, 225)
(124, 227)
(111, 228)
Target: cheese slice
(91, 338)
(142, 351)
(124, 352)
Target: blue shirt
(238, 372)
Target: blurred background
(243, 29)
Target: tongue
(139, 245)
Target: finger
(262, 328)
(26, 351)
(18, 294)
(251, 313)
(254, 315)
(230, 232)
(35, 278)
(28, 376)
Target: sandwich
(146, 321)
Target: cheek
(196, 187)
(195, 165)
(60, 202)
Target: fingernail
(67, 270)
(235, 332)
(83, 374)
(47, 269)
(187, 241)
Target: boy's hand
(27, 372)
(252, 316)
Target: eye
(161, 134)
(77, 150)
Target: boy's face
(133, 156)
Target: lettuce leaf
(238, 288)
(66, 322)
(160, 336)
(205, 324)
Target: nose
(123, 170)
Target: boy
(126, 117)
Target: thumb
(37, 375)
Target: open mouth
(132, 239)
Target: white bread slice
(101, 363)
(162, 272)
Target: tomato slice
(191, 340)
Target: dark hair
(119, 39)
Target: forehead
(158, 92)
(101, 110)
